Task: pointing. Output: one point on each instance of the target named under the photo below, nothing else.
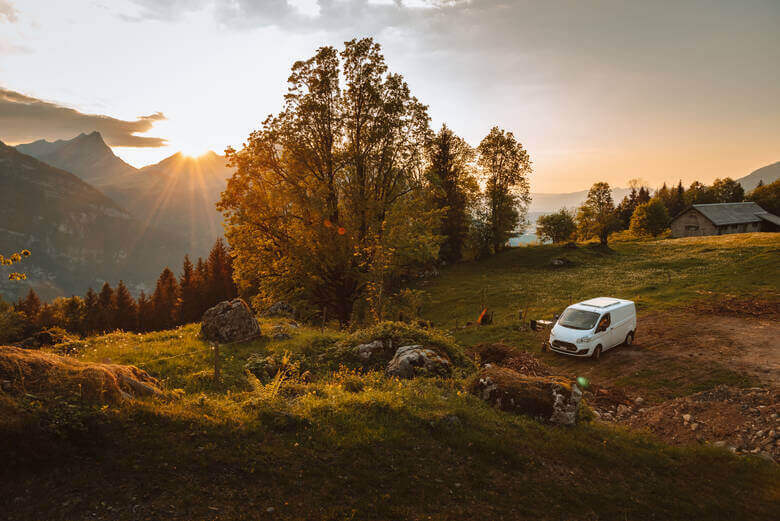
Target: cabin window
(691, 228)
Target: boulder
(553, 398)
(415, 360)
(229, 321)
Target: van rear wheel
(629, 339)
(596, 353)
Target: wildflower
(342, 231)
(327, 223)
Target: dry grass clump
(45, 374)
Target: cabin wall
(692, 224)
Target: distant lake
(530, 232)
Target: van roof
(602, 302)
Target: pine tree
(190, 297)
(165, 301)
(126, 309)
(91, 313)
(203, 283)
(145, 313)
(220, 284)
(73, 315)
(30, 306)
(107, 309)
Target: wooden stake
(216, 363)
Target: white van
(593, 326)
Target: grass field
(343, 445)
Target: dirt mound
(44, 374)
(552, 398)
(511, 357)
(745, 420)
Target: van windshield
(578, 319)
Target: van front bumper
(568, 348)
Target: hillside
(768, 174)
(78, 236)
(332, 442)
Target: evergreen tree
(126, 309)
(30, 306)
(202, 285)
(145, 313)
(190, 293)
(220, 285)
(453, 189)
(92, 314)
(106, 309)
(165, 301)
(677, 200)
(73, 315)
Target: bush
(650, 218)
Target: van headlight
(584, 339)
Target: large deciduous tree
(597, 216)
(312, 211)
(505, 167)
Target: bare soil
(685, 351)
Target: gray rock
(366, 351)
(280, 308)
(686, 418)
(639, 400)
(719, 444)
(623, 410)
(229, 321)
(415, 360)
(565, 407)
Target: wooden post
(216, 363)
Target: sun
(191, 150)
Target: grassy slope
(661, 276)
(364, 447)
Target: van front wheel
(629, 339)
(596, 353)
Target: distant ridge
(78, 236)
(546, 202)
(768, 174)
(86, 156)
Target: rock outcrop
(415, 360)
(229, 321)
(553, 398)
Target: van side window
(604, 323)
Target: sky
(595, 90)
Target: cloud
(7, 10)
(24, 118)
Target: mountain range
(175, 195)
(546, 202)
(79, 237)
